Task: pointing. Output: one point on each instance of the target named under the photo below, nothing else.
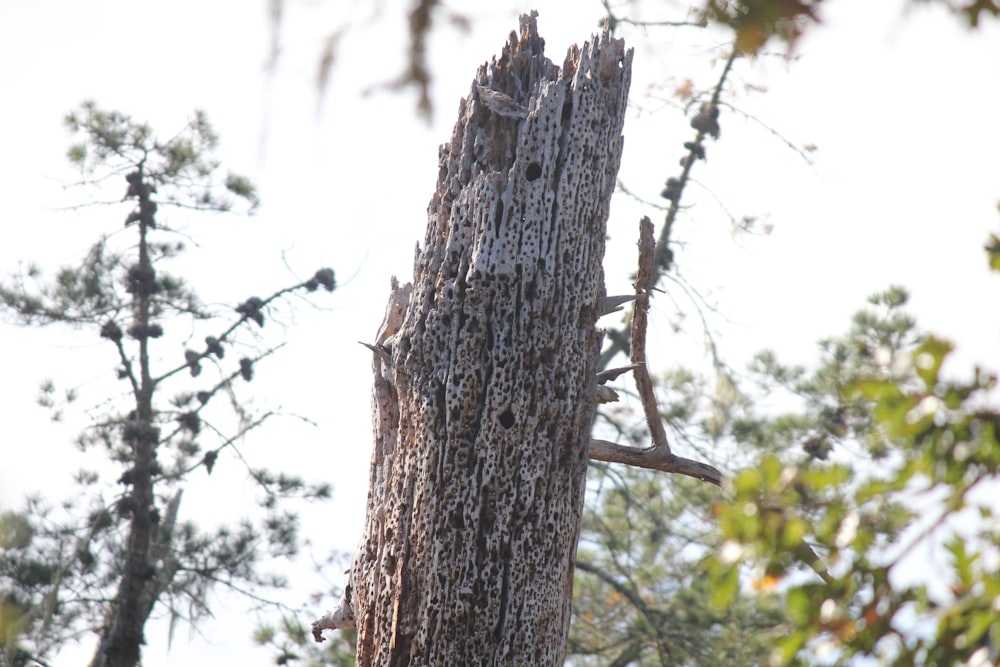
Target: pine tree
(101, 563)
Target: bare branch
(614, 304)
(696, 149)
(701, 20)
(340, 617)
(640, 318)
(652, 458)
(658, 456)
(613, 373)
(800, 151)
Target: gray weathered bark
(485, 373)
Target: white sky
(902, 108)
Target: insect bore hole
(533, 172)
(507, 418)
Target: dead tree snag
(484, 396)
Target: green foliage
(124, 540)
(181, 170)
(640, 594)
(15, 534)
(756, 21)
(856, 527)
(291, 642)
(973, 10)
(993, 252)
(672, 572)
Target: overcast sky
(906, 176)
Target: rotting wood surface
(483, 397)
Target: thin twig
(626, 592)
(613, 20)
(663, 257)
(802, 153)
(622, 188)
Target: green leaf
(748, 482)
(993, 252)
(801, 605)
(791, 645)
(793, 534)
(929, 356)
(826, 477)
(962, 560)
(727, 584)
(16, 531)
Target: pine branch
(705, 123)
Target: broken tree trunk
(485, 373)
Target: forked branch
(657, 456)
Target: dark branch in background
(658, 622)
(706, 124)
(251, 309)
(417, 73)
(626, 592)
(613, 21)
(423, 16)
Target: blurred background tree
(102, 559)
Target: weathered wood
(484, 399)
